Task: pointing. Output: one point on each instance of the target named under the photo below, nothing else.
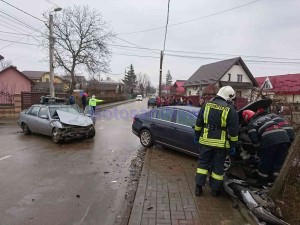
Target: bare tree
(143, 81)
(4, 64)
(82, 38)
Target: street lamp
(51, 50)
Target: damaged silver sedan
(61, 122)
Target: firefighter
(217, 131)
(283, 123)
(273, 144)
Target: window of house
(266, 85)
(240, 78)
(47, 79)
(190, 92)
(229, 77)
(238, 94)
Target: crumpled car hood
(71, 119)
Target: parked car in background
(139, 98)
(151, 101)
(60, 121)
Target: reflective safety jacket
(93, 101)
(217, 124)
(264, 131)
(284, 124)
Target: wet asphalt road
(83, 182)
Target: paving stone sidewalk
(165, 195)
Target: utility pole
(51, 50)
(160, 73)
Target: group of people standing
(92, 102)
(216, 132)
(171, 100)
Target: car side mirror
(44, 117)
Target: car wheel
(146, 138)
(227, 163)
(92, 132)
(25, 128)
(56, 138)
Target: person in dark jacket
(283, 123)
(217, 131)
(83, 101)
(273, 144)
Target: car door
(161, 126)
(183, 131)
(31, 119)
(43, 121)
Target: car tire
(92, 132)
(146, 138)
(55, 136)
(25, 128)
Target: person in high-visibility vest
(93, 102)
(216, 131)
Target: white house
(233, 72)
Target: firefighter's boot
(198, 190)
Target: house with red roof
(178, 88)
(166, 90)
(282, 86)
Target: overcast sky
(265, 28)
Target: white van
(139, 98)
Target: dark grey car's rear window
(165, 114)
(185, 118)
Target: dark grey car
(61, 122)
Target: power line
(167, 25)
(17, 42)
(21, 10)
(27, 35)
(209, 53)
(21, 22)
(1, 31)
(142, 56)
(192, 20)
(247, 60)
(130, 43)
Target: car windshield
(53, 113)
(152, 99)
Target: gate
(30, 98)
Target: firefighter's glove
(196, 140)
(232, 151)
